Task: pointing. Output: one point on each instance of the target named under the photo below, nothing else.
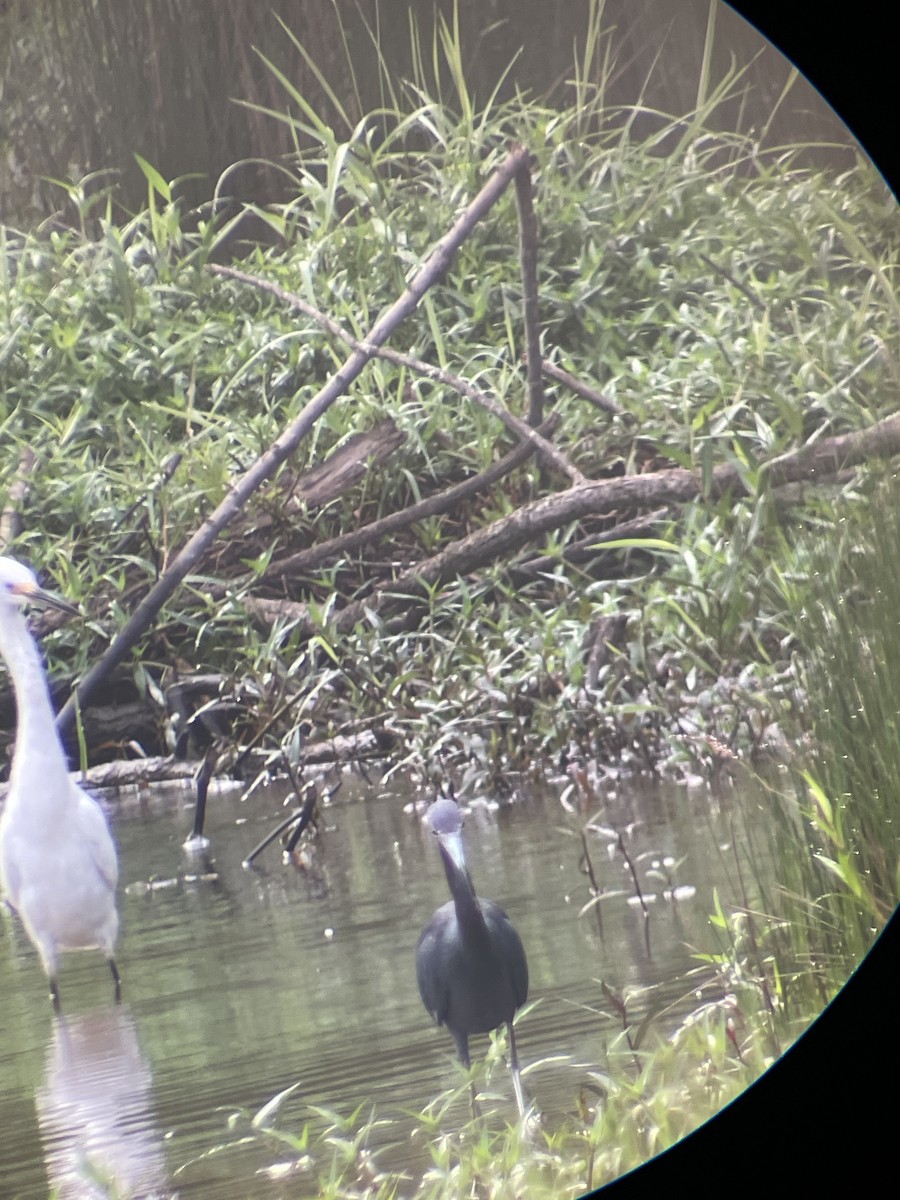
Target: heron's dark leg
(461, 1041)
(117, 978)
(54, 993)
(514, 1068)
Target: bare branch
(434, 268)
(546, 449)
(432, 506)
(552, 371)
(528, 243)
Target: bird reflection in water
(95, 1111)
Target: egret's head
(18, 586)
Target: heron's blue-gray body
(470, 962)
(471, 970)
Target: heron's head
(445, 821)
(19, 586)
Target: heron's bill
(453, 845)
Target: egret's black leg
(54, 994)
(117, 979)
(204, 775)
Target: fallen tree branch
(344, 467)
(502, 537)
(433, 269)
(831, 455)
(546, 449)
(305, 560)
(137, 772)
(328, 479)
(552, 371)
(366, 535)
(676, 485)
(268, 610)
(528, 242)
(584, 547)
(757, 303)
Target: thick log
(529, 523)
(140, 772)
(441, 502)
(344, 467)
(622, 494)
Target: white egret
(58, 866)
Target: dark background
(87, 83)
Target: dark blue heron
(470, 962)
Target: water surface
(238, 984)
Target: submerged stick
(434, 267)
(271, 837)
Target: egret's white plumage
(58, 866)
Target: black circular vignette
(821, 1117)
(849, 56)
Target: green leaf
(718, 917)
(268, 1110)
(639, 544)
(823, 812)
(153, 177)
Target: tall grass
(732, 300)
(846, 863)
(88, 83)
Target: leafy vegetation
(733, 301)
(640, 1101)
(841, 875)
(733, 305)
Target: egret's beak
(36, 595)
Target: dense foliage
(734, 306)
(734, 302)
